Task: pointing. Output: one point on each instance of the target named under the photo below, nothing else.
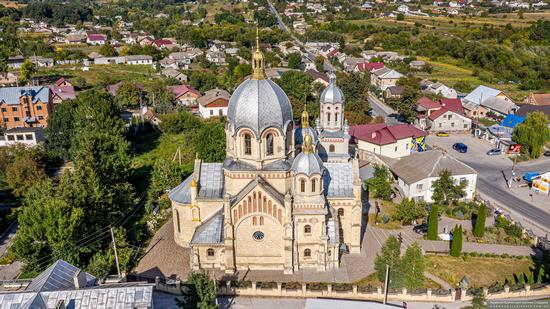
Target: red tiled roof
(427, 103)
(183, 89)
(369, 66)
(63, 92)
(96, 37)
(332, 53)
(454, 105)
(436, 114)
(382, 134)
(60, 81)
(161, 42)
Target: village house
(368, 66)
(215, 57)
(75, 38)
(417, 64)
(25, 106)
(318, 77)
(62, 90)
(164, 44)
(214, 103)
(96, 39)
(384, 78)
(42, 62)
(447, 115)
(394, 141)
(416, 173)
(8, 79)
(394, 92)
(438, 89)
(492, 99)
(15, 62)
(184, 94)
(139, 59)
(175, 74)
(30, 136)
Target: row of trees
(533, 134)
(406, 271)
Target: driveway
(532, 210)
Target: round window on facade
(258, 235)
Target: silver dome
(307, 163)
(258, 105)
(332, 93)
(300, 133)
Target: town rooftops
(214, 94)
(382, 134)
(387, 73)
(11, 95)
(369, 66)
(396, 90)
(500, 104)
(183, 89)
(63, 92)
(454, 105)
(428, 164)
(96, 37)
(524, 109)
(482, 93)
(427, 103)
(138, 57)
(59, 276)
(314, 74)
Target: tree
(294, 60)
(479, 228)
(202, 294)
(355, 88)
(445, 191)
(210, 142)
(24, 170)
(413, 266)
(103, 262)
(27, 70)
(409, 210)
(379, 184)
(400, 16)
(533, 134)
(320, 63)
(389, 255)
(432, 223)
(166, 175)
(456, 242)
(59, 131)
(107, 50)
(128, 95)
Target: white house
(139, 59)
(491, 99)
(416, 173)
(384, 78)
(389, 141)
(438, 89)
(24, 136)
(214, 103)
(403, 8)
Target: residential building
(438, 89)
(214, 103)
(175, 74)
(25, 106)
(168, 63)
(164, 44)
(492, 99)
(215, 57)
(384, 78)
(368, 66)
(110, 60)
(25, 136)
(139, 59)
(96, 39)
(113, 89)
(389, 141)
(184, 94)
(15, 62)
(75, 38)
(525, 109)
(42, 62)
(417, 64)
(267, 207)
(445, 116)
(394, 92)
(63, 285)
(416, 173)
(62, 90)
(318, 77)
(8, 79)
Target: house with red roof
(163, 44)
(318, 77)
(185, 94)
(368, 66)
(96, 39)
(446, 115)
(395, 141)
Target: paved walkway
(12, 270)
(444, 284)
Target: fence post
(254, 287)
(379, 291)
(453, 294)
(279, 288)
(329, 289)
(429, 293)
(304, 287)
(404, 291)
(485, 292)
(354, 289)
(506, 289)
(228, 286)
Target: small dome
(258, 104)
(308, 163)
(332, 93)
(301, 132)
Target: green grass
(482, 271)
(372, 280)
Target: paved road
(282, 25)
(378, 108)
(492, 175)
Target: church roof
(259, 182)
(210, 231)
(235, 165)
(338, 180)
(211, 184)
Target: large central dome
(258, 104)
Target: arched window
(336, 117)
(195, 214)
(303, 185)
(269, 144)
(247, 144)
(340, 212)
(254, 221)
(307, 229)
(328, 117)
(307, 253)
(261, 220)
(178, 220)
(210, 252)
(313, 185)
(331, 148)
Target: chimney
(373, 135)
(79, 279)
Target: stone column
(279, 288)
(354, 287)
(329, 289)
(254, 287)
(304, 289)
(485, 292)
(404, 292)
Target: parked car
(460, 147)
(494, 152)
(443, 134)
(547, 153)
(421, 228)
(529, 176)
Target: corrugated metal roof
(211, 180)
(210, 231)
(182, 193)
(11, 95)
(57, 277)
(338, 180)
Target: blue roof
(11, 95)
(511, 120)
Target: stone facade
(268, 206)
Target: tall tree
(210, 142)
(24, 170)
(355, 87)
(446, 191)
(320, 63)
(533, 134)
(413, 266)
(202, 294)
(379, 185)
(59, 131)
(432, 223)
(389, 255)
(456, 242)
(128, 95)
(479, 228)
(27, 70)
(408, 210)
(294, 60)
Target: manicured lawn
(372, 280)
(483, 271)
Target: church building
(285, 198)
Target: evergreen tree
(379, 184)
(60, 130)
(390, 255)
(521, 279)
(456, 242)
(479, 228)
(202, 294)
(413, 266)
(432, 223)
(445, 191)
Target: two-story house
(25, 106)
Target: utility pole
(386, 284)
(513, 172)
(116, 255)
